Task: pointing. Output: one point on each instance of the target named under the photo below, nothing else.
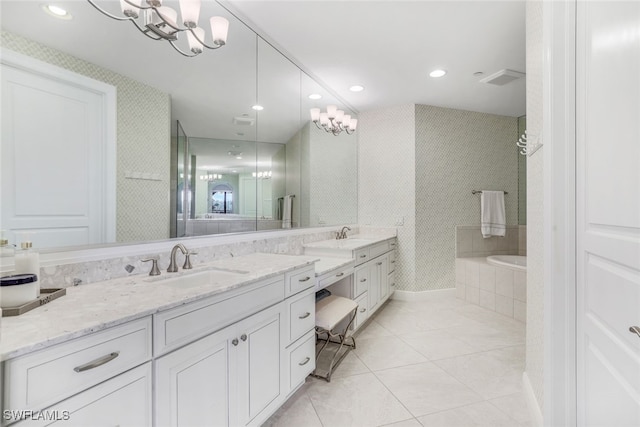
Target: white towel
(287, 209)
(492, 219)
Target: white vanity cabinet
(82, 378)
(226, 378)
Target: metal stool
(330, 311)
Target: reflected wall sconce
(334, 121)
(262, 175)
(161, 23)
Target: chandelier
(334, 121)
(210, 177)
(161, 23)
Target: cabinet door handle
(339, 274)
(379, 263)
(305, 279)
(304, 316)
(305, 361)
(363, 256)
(393, 244)
(243, 337)
(635, 330)
(235, 341)
(393, 262)
(98, 362)
(363, 280)
(362, 310)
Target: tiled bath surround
(470, 243)
(501, 289)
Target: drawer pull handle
(305, 361)
(304, 316)
(635, 330)
(98, 362)
(393, 244)
(305, 279)
(339, 274)
(379, 263)
(362, 310)
(243, 337)
(393, 262)
(363, 256)
(363, 280)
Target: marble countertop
(94, 307)
(352, 242)
(327, 264)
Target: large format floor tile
(439, 362)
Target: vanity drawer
(40, 379)
(363, 310)
(302, 314)
(335, 276)
(361, 282)
(392, 282)
(181, 325)
(300, 280)
(392, 261)
(302, 359)
(378, 249)
(361, 255)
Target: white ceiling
(390, 47)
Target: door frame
(108, 95)
(559, 160)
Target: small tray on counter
(46, 296)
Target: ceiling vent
(502, 77)
(243, 121)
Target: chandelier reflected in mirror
(334, 121)
(161, 23)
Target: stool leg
(342, 338)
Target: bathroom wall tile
(520, 288)
(504, 305)
(520, 278)
(502, 243)
(461, 266)
(488, 278)
(473, 295)
(461, 291)
(520, 311)
(487, 300)
(472, 274)
(504, 282)
(464, 241)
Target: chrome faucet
(173, 267)
(342, 234)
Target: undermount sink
(202, 278)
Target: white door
(55, 158)
(608, 213)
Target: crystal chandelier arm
(180, 51)
(217, 46)
(104, 12)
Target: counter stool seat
(330, 312)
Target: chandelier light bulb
(324, 119)
(331, 111)
(315, 114)
(339, 116)
(346, 120)
(353, 124)
(194, 44)
(219, 30)
(190, 12)
(167, 14)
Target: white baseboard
(423, 295)
(532, 403)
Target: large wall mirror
(220, 143)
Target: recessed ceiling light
(356, 88)
(437, 73)
(239, 157)
(258, 107)
(56, 11)
(315, 96)
(234, 171)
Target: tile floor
(441, 362)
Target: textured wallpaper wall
(386, 181)
(142, 206)
(456, 152)
(535, 175)
(333, 178)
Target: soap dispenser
(27, 261)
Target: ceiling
(389, 47)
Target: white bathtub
(517, 262)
